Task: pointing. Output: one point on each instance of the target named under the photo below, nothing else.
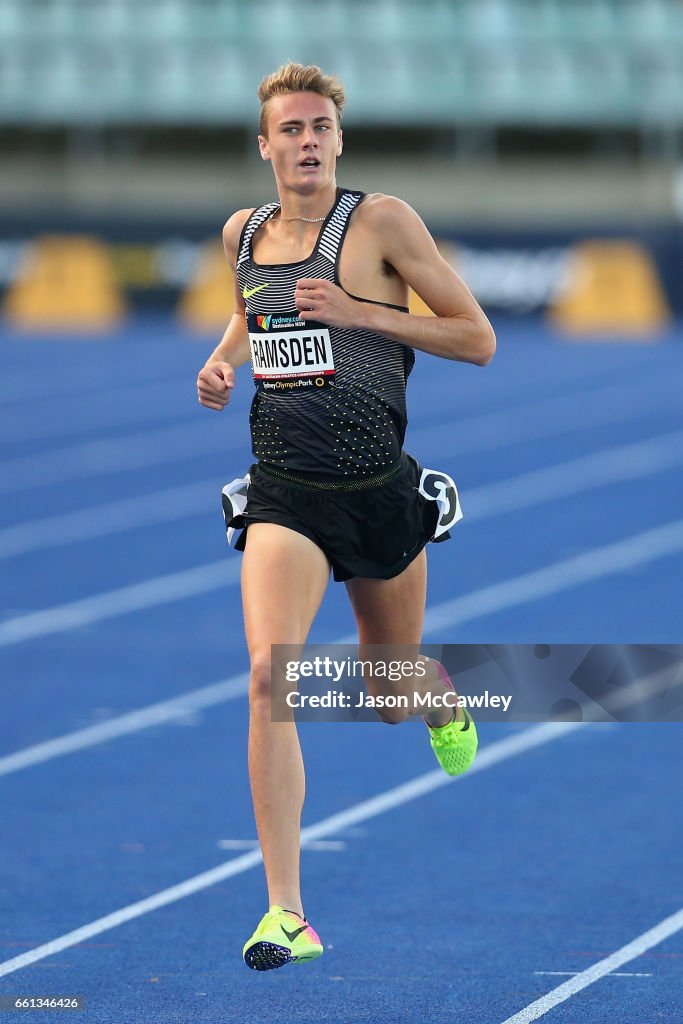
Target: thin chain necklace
(309, 220)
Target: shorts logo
(264, 322)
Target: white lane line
(113, 455)
(590, 472)
(664, 930)
(612, 974)
(549, 417)
(169, 505)
(13, 389)
(151, 593)
(79, 379)
(587, 473)
(163, 713)
(571, 572)
(593, 564)
(317, 845)
(552, 579)
(491, 755)
(509, 593)
(156, 400)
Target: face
(303, 140)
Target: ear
(264, 148)
(340, 142)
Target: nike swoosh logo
(292, 935)
(248, 292)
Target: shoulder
(394, 222)
(398, 228)
(381, 211)
(232, 229)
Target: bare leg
(284, 576)
(391, 612)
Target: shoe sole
(267, 956)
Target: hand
(317, 299)
(214, 384)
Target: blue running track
(129, 870)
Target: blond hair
(293, 77)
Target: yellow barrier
(74, 284)
(613, 290)
(66, 283)
(208, 302)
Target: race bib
(440, 487)
(289, 354)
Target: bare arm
(217, 377)
(459, 330)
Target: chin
(311, 184)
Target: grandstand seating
(496, 62)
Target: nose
(308, 137)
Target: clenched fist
(214, 384)
(319, 299)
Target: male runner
(322, 281)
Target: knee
(261, 681)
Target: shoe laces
(449, 735)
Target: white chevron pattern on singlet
(355, 426)
(257, 218)
(330, 239)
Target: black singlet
(329, 400)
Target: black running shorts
(372, 527)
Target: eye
(323, 127)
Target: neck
(294, 206)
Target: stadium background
(524, 131)
(541, 142)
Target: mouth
(310, 161)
